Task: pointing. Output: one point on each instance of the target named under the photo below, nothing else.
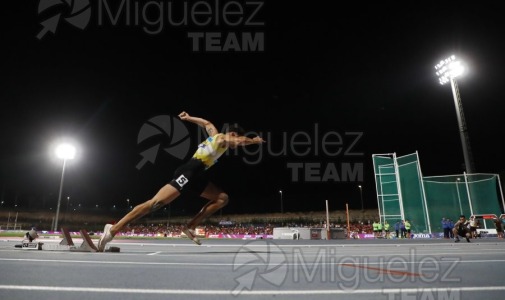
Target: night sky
(363, 73)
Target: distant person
(386, 229)
(403, 229)
(462, 228)
(451, 226)
(446, 227)
(408, 229)
(375, 227)
(474, 224)
(188, 177)
(499, 227)
(502, 218)
(397, 229)
(379, 229)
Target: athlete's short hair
(234, 128)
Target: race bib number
(182, 180)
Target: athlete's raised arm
(233, 141)
(209, 127)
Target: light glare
(65, 151)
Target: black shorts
(190, 176)
(463, 232)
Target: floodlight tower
(282, 204)
(447, 71)
(361, 195)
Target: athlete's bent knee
(222, 199)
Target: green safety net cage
(404, 194)
(465, 194)
(414, 204)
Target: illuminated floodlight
(449, 68)
(65, 151)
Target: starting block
(66, 244)
(87, 244)
(27, 245)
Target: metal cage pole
(501, 192)
(468, 193)
(459, 197)
(379, 195)
(427, 213)
(397, 177)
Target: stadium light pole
(282, 205)
(459, 197)
(447, 71)
(66, 210)
(361, 196)
(65, 152)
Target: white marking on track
(102, 262)
(245, 292)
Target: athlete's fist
(258, 140)
(183, 115)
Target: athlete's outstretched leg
(217, 200)
(164, 196)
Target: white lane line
(306, 252)
(390, 291)
(446, 261)
(154, 253)
(264, 243)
